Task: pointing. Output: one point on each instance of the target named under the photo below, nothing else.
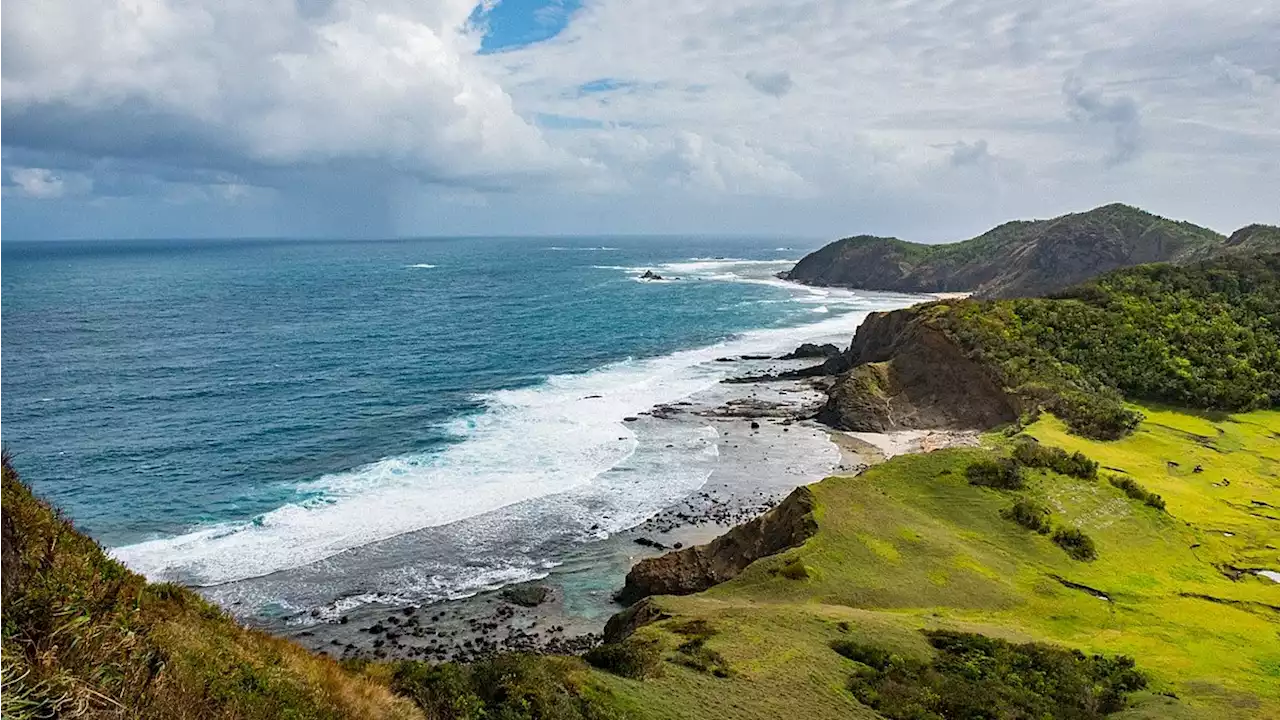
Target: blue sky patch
(512, 24)
(565, 122)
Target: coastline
(767, 446)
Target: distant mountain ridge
(1025, 258)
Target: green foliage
(1002, 474)
(506, 687)
(634, 657)
(693, 652)
(1030, 453)
(794, 569)
(974, 677)
(1076, 543)
(1136, 491)
(1202, 336)
(1029, 515)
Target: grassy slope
(85, 637)
(910, 544)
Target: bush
(693, 653)
(634, 657)
(1003, 474)
(1199, 336)
(794, 569)
(1078, 545)
(974, 677)
(1137, 492)
(510, 687)
(1030, 453)
(1029, 515)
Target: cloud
(362, 112)
(1120, 113)
(974, 153)
(39, 183)
(1242, 78)
(776, 84)
(257, 86)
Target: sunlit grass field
(910, 544)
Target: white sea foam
(555, 438)
(424, 266)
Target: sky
(929, 120)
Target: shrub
(1029, 515)
(1030, 453)
(634, 657)
(1003, 474)
(693, 653)
(1136, 491)
(973, 677)
(1078, 545)
(794, 569)
(510, 687)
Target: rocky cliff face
(1020, 259)
(907, 375)
(697, 568)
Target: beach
(766, 445)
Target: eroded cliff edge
(697, 568)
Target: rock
(621, 625)
(526, 595)
(650, 275)
(910, 376)
(811, 350)
(756, 357)
(697, 568)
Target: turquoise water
(222, 412)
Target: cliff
(697, 568)
(1025, 258)
(909, 375)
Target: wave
(559, 437)
(425, 266)
(600, 248)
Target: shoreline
(767, 447)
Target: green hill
(1024, 258)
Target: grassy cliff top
(912, 545)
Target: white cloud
(391, 82)
(837, 110)
(45, 184)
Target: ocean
(306, 426)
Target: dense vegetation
(506, 687)
(1201, 336)
(973, 677)
(1026, 258)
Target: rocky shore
(768, 445)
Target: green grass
(911, 545)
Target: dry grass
(86, 638)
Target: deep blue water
(226, 409)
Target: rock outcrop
(907, 375)
(812, 350)
(1023, 259)
(697, 568)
